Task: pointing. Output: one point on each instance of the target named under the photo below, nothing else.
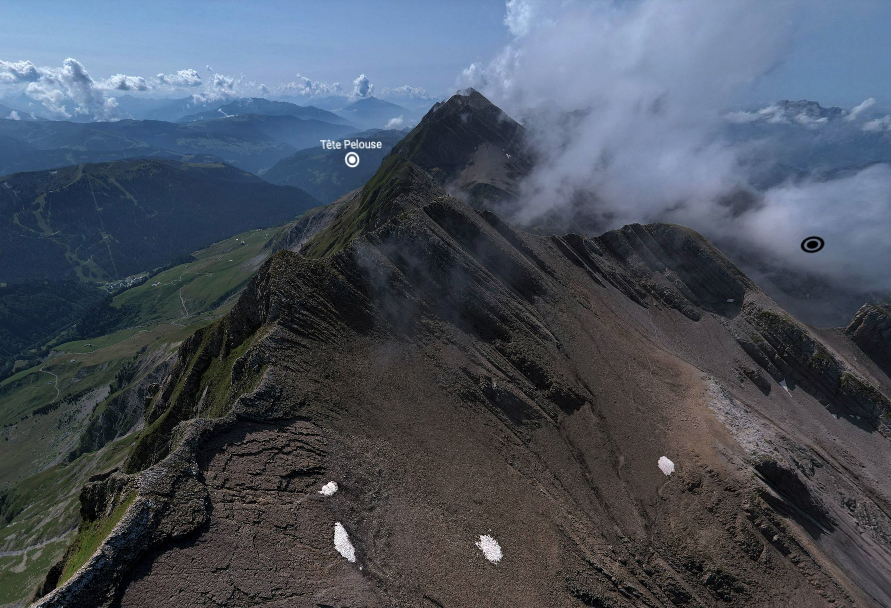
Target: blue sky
(423, 44)
(838, 52)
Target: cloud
(405, 92)
(852, 214)
(518, 19)
(625, 104)
(223, 83)
(475, 75)
(120, 82)
(362, 87)
(806, 113)
(306, 87)
(878, 125)
(13, 72)
(220, 87)
(395, 123)
(209, 69)
(65, 92)
(181, 79)
(14, 115)
(264, 90)
(859, 109)
(70, 92)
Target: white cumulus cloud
(362, 87)
(878, 124)
(520, 14)
(307, 87)
(860, 108)
(405, 92)
(182, 78)
(18, 71)
(395, 123)
(120, 82)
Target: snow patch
(783, 384)
(666, 466)
(490, 548)
(342, 543)
(329, 489)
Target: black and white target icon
(352, 160)
(812, 244)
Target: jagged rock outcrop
(870, 329)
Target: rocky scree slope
(458, 378)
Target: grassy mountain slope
(108, 221)
(54, 440)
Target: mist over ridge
(642, 131)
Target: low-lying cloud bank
(627, 106)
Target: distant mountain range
(250, 142)
(374, 113)
(324, 174)
(265, 107)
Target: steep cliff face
(511, 420)
(871, 331)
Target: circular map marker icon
(351, 160)
(812, 244)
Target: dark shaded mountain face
(471, 147)
(871, 331)
(108, 221)
(325, 175)
(33, 310)
(374, 113)
(265, 107)
(629, 417)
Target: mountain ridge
(458, 377)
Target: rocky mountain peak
(471, 145)
(810, 109)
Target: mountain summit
(470, 144)
(429, 407)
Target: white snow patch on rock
(783, 384)
(342, 542)
(490, 548)
(329, 489)
(666, 466)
